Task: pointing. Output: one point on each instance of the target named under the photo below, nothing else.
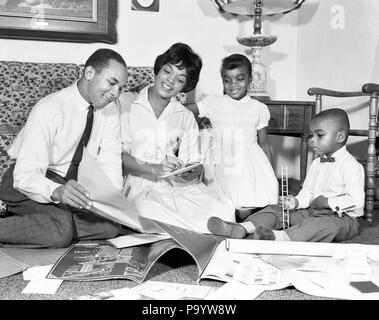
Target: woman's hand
(192, 174)
(169, 164)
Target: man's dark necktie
(72, 172)
(324, 159)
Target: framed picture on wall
(59, 20)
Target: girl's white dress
(235, 160)
(150, 139)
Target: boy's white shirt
(342, 182)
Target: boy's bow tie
(324, 159)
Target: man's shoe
(220, 227)
(262, 233)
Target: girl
(156, 127)
(240, 153)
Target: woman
(161, 135)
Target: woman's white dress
(150, 139)
(234, 158)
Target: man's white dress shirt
(51, 135)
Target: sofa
(23, 84)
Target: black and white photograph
(194, 158)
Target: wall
(143, 35)
(338, 48)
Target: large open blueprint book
(100, 260)
(347, 271)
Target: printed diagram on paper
(252, 270)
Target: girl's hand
(289, 202)
(203, 122)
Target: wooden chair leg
(371, 184)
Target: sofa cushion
(22, 84)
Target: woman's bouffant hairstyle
(182, 56)
(236, 61)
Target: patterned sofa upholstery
(22, 84)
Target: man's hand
(289, 202)
(320, 203)
(72, 194)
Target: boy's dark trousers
(308, 224)
(47, 225)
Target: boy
(331, 199)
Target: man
(47, 205)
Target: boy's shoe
(224, 228)
(262, 233)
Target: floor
(174, 266)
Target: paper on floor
(117, 294)
(38, 272)
(43, 286)
(38, 282)
(236, 291)
(172, 291)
